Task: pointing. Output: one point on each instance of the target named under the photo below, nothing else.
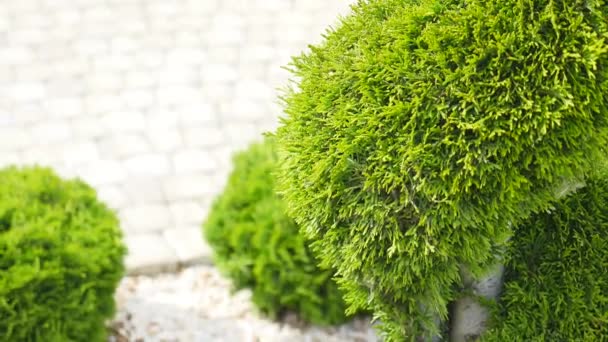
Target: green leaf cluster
(259, 247)
(556, 285)
(61, 258)
(419, 131)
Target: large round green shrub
(556, 285)
(419, 131)
(61, 257)
(259, 247)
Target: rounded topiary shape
(259, 247)
(61, 258)
(419, 131)
(556, 286)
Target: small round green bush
(419, 131)
(61, 258)
(259, 247)
(556, 285)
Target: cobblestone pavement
(147, 99)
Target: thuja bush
(556, 286)
(259, 247)
(419, 131)
(61, 257)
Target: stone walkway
(146, 100)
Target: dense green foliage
(556, 285)
(419, 130)
(259, 247)
(61, 257)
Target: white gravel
(196, 304)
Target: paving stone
(16, 55)
(104, 103)
(123, 145)
(9, 159)
(197, 113)
(189, 245)
(44, 155)
(139, 98)
(65, 86)
(14, 138)
(65, 107)
(174, 75)
(139, 79)
(77, 153)
(148, 165)
(167, 139)
(87, 127)
(104, 81)
(113, 196)
(28, 91)
(145, 191)
(51, 132)
(255, 90)
(203, 136)
(103, 172)
(147, 100)
(124, 121)
(246, 110)
(149, 253)
(187, 212)
(161, 117)
(188, 161)
(217, 72)
(189, 187)
(145, 218)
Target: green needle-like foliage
(419, 131)
(259, 247)
(557, 275)
(61, 258)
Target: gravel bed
(196, 304)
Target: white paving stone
(145, 191)
(113, 196)
(147, 99)
(14, 138)
(146, 165)
(198, 113)
(189, 161)
(187, 212)
(65, 107)
(103, 172)
(167, 139)
(203, 136)
(123, 145)
(51, 132)
(145, 218)
(7, 159)
(149, 253)
(77, 153)
(124, 121)
(189, 187)
(189, 244)
(23, 92)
